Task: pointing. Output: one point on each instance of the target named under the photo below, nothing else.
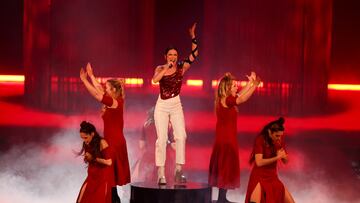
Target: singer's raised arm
(194, 49)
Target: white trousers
(165, 110)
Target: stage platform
(151, 192)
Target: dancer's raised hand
(89, 70)
(83, 74)
(252, 77)
(257, 81)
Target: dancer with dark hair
(168, 106)
(113, 100)
(97, 154)
(264, 183)
(224, 169)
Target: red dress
(113, 133)
(99, 181)
(272, 189)
(224, 170)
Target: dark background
(345, 39)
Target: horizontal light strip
(351, 87)
(196, 83)
(214, 83)
(12, 78)
(134, 81)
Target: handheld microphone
(171, 64)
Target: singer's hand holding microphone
(170, 64)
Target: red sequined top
(170, 85)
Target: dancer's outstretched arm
(243, 96)
(248, 85)
(98, 95)
(95, 83)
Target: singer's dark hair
(273, 126)
(171, 47)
